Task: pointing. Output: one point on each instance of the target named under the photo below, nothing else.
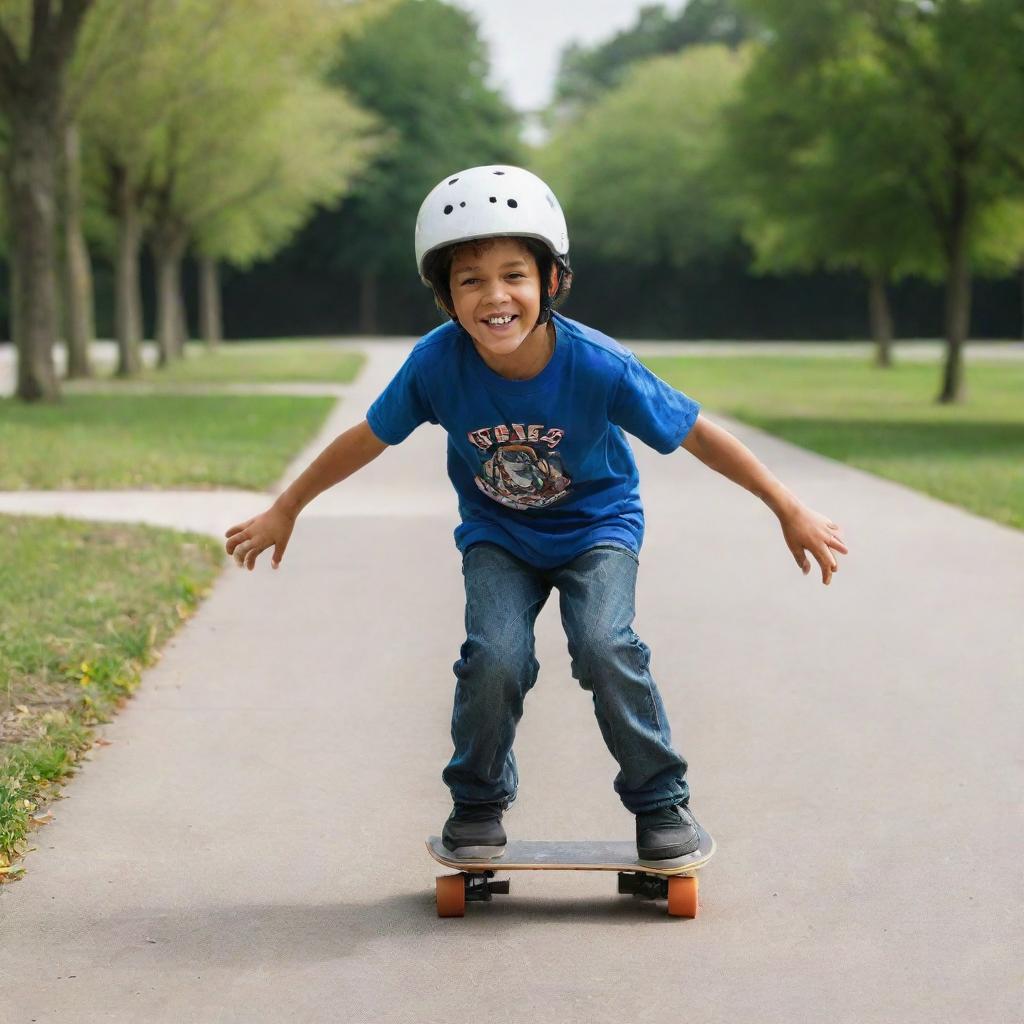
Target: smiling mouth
(499, 321)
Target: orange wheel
(451, 896)
(682, 896)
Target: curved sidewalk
(249, 847)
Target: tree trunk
(881, 320)
(368, 303)
(958, 296)
(168, 248)
(127, 301)
(180, 315)
(78, 294)
(15, 291)
(31, 91)
(1022, 300)
(211, 323)
(30, 181)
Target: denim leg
(496, 670)
(596, 596)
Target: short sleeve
(402, 406)
(648, 408)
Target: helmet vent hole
(452, 182)
(462, 204)
(448, 209)
(512, 203)
(499, 172)
(494, 199)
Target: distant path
(211, 511)
(105, 354)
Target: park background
(729, 170)
(216, 190)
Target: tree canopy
(420, 68)
(586, 72)
(636, 171)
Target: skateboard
(674, 880)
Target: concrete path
(249, 848)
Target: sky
(526, 37)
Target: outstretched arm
(347, 453)
(802, 528)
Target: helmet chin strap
(545, 312)
(546, 301)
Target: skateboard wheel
(451, 896)
(682, 896)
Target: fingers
(828, 562)
(275, 560)
(245, 550)
(820, 537)
(828, 565)
(238, 527)
(801, 560)
(235, 541)
(823, 556)
(246, 542)
(252, 554)
(238, 547)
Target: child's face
(496, 278)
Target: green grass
(112, 441)
(261, 363)
(883, 421)
(83, 609)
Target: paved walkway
(248, 848)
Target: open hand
(806, 530)
(245, 541)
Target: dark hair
(437, 268)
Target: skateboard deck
(674, 880)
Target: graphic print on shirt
(522, 469)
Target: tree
(635, 173)
(421, 69)
(584, 74)
(34, 56)
(200, 131)
(947, 123)
(112, 36)
(301, 152)
(799, 163)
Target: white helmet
(482, 202)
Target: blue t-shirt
(541, 466)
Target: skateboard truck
(648, 887)
(480, 888)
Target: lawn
(121, 441)
(270, 362)
(83, 609)
(884, 421)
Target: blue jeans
(498, 667)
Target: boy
(535, 406)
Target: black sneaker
(665, 833)
(474, 830)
